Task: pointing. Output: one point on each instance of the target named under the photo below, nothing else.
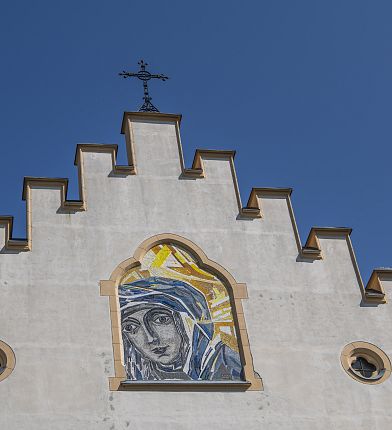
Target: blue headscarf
(177, 296)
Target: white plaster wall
(299, 314)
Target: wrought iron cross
(144, 76)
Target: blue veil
(179, 297)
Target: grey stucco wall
(300, 314)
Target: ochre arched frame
(237, 292)
(373, 354)
(9, 358)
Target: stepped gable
(373, 292)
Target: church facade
(159, 300)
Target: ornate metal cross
(144, 76)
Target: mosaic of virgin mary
(169, 332)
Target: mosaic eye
(162, 319)
(131, 327)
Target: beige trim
(62, 184)
(110, 149)
(311, 250)
(312, 245)
(374, 291)
(8, 356)
(372, 353)
(158, 116)
(8, 221)
(236, 290)
(312, 242)
(11, 243)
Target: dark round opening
(3, 361)
(365, 369)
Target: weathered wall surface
(300, 312)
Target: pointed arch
(236, 292)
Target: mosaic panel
(176, 320)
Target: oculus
(365, 362)
(3, 361)
(7, 360)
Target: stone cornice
(312, 250)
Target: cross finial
(144, 76)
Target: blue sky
(301, 89)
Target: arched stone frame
(8, 356)
(373, 354)
(237, 292)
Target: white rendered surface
(299, 315)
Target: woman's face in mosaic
(154, 334)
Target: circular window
(3, 361)
(7, 360)
(365, 362)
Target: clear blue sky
(301, 89)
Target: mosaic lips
(160, 350)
